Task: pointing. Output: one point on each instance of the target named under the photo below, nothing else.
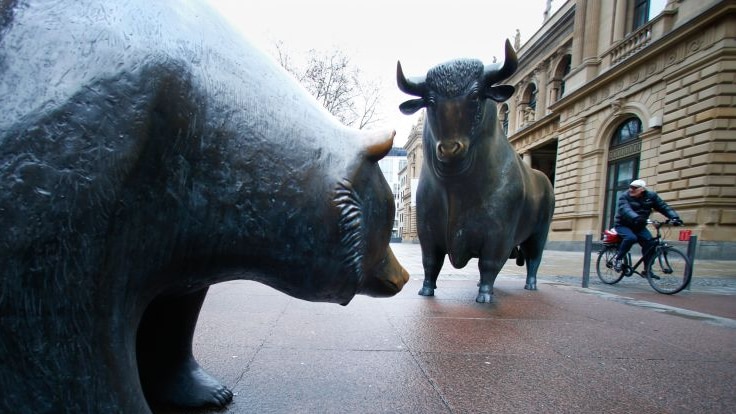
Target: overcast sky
(374, 35)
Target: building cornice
(547, 121)
(648, 53)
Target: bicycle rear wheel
(604, 266)
(669, 270)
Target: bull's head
(455, 94)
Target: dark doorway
(544, 159)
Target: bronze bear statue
(147, 151)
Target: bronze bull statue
(146, 152)
(476, 197)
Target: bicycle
(668, 270)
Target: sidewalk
(560, 349)
(712, 290)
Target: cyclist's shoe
(645, 272)
(617, 264)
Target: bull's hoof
(426, 291)
(530, 286)
(484, 297)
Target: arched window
(563, 69)
(623, 165)
(532, 97)
(528, 105)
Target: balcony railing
(632, 43)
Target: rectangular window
(641, 13)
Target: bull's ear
(411, 106)
(500, 93)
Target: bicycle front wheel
(604, 266)
(669, 270)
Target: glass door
(623, 166)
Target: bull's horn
(414, 86)
(378, 144)
(498, 72)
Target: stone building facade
(390, 166)
(408, 179)
(608, 91)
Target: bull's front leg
(489, 270)
(432, 262)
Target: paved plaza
(560, 349)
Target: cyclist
(634, 207)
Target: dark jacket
(629, 208)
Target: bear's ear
(411, 106)
(500, 93)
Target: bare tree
(282, 56)
(331, 78)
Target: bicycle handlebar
(658, 224)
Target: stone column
(520, 121)
(578, 33)
(527, 158)
(592, 27)
(542, 78)
(512, 116)
(619, 21)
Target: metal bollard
(586, 259)
(692, 244)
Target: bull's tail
(517, 254)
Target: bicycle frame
(655, 243)
(629, 270)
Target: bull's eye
(431, 100)
(474, 95)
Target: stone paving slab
(561, 348)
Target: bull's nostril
(449, 149)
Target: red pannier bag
(610, 236)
